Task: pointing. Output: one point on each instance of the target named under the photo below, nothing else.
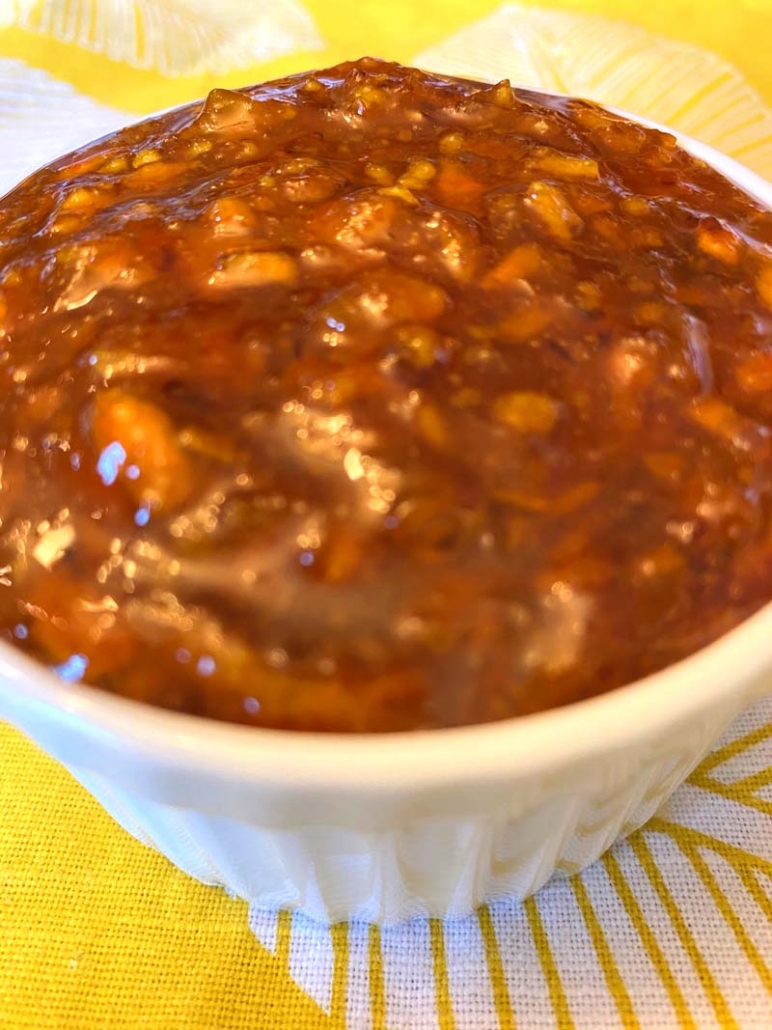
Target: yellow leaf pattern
(174, 37)
(617, 64)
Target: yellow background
(739, 30)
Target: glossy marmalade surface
(374, 400)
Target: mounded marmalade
(372, 400)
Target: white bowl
(393, 826)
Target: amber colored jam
(372, 400)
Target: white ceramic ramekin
(389, 827)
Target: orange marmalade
(372, 400)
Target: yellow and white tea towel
(673, 928)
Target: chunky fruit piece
(137, 443)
